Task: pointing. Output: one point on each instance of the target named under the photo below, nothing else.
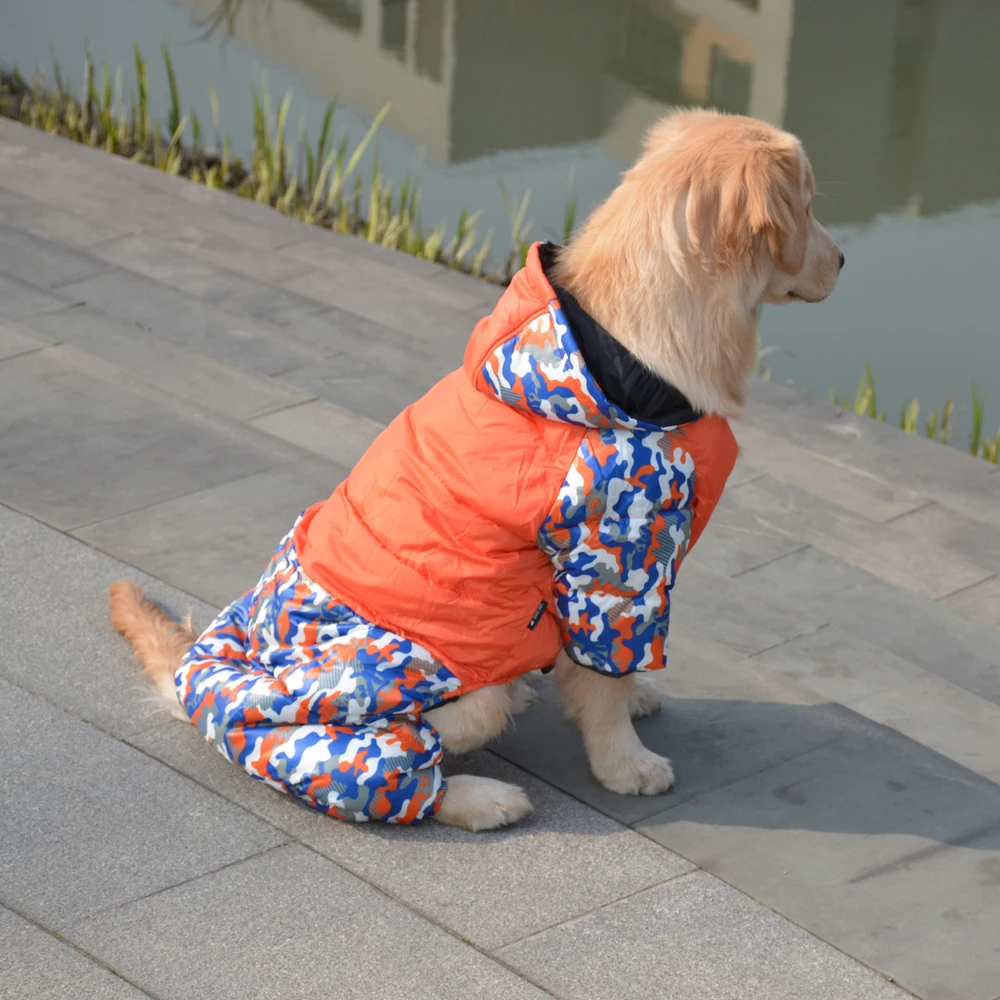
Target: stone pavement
(182, 372)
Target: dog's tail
(159, 643)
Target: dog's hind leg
(471, 802)
(475, 803)
(471, 721)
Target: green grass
(317, 184)
(937, 426)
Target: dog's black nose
(842, 261)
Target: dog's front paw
(644, 773)
(644, 699)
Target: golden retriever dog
(715, 218)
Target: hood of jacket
(540, 352)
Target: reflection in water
(896, 101)
(875, 90)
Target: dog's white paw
(474, 803)
(523, 695)
(644, 699)
(644, 773)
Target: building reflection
(892, 98)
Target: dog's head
(746, 191)
(715, 217)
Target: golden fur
(714, 219)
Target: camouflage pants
(313, 700)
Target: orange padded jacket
(516, 508)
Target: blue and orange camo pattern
(315, 701)
(621, 524)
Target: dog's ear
(778, 208)
(762, 194)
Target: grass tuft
(938, 425)
(318, 185)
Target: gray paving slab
(216, 542)
(182, 372)
(56, 224)
(338, 332)
(423, 309)
(739, 541)
(19, 299)
(78, 443)
(362, 383)
(958, 648)
(957, 480)
(937, 524)
(168, 265)
(322, 247)
(942, 717)
(721, 720)
(42, 262)
(77, 661)
(823, 477)
(981, 601)
(744, 618)
(445, 873)
(882, 550)
(89, 824)
(876, 844)
(291, 924)
(837, 665)
(73, 177)
(245, 341)
(37, 966)
(324, 428)
(743, 472)
(15, 339)
(694, 937)
(225, 251)
(833, 665)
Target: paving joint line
(101, 270)
(25, 353)
(597, 909)
(907, 513)
(600, 906)
(968, 586)
(767, 562)
(148, 506)
(80, 951)
(177, 885)
(801, 635)
(431, 920)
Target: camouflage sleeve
(616, 535)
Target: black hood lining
(622, 377)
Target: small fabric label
(537, 616)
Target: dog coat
(543, 495)
(517, 507)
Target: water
(896, 101)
